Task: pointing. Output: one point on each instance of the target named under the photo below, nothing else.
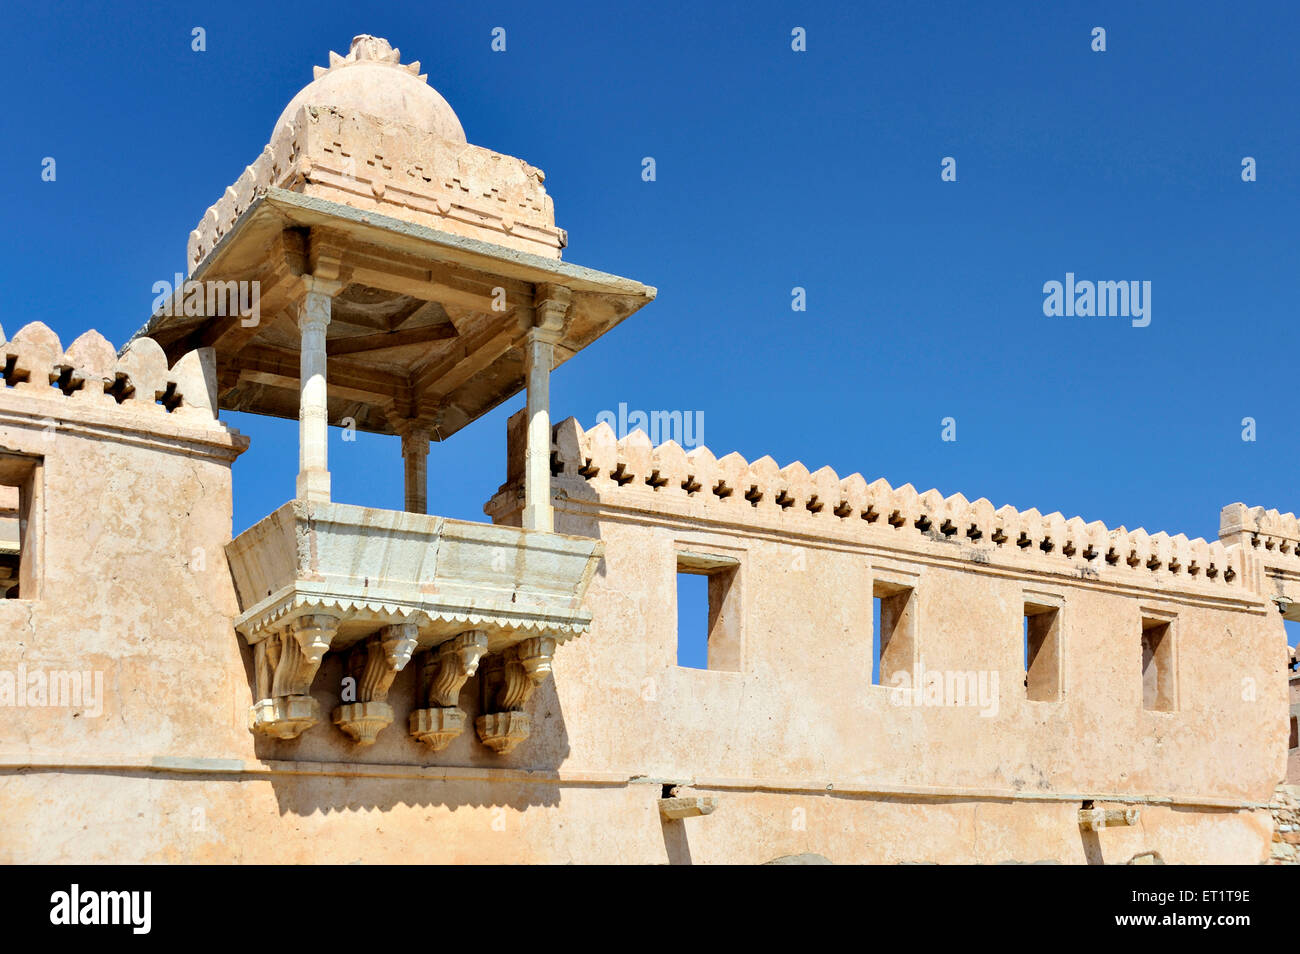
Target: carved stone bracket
(502, 732)
(285, 664)
(446, 670)
(374, 665)
(520, 670)
(437, 727)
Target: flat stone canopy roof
(417, 332)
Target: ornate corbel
(285, 664)
(374, 665)
(523, 667)
(446, 670)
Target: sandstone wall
(803, 754)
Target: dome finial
(370, 49)
(367, 47)
(372, 79)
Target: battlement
(91, 376)
(633, 473)
(1260, 529)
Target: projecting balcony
(375, 568)
(314, 578)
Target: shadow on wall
(676, 843)
(1092, 846)
(395, 770)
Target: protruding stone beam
(446, 669)
(314, 307)
(676, 806)
(286, 663)
(374, 665)
(415, 461)
(1098, 818)
(550, 306)
(523, 667)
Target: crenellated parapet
(1269, 544)
(1260, 529)
(761, 494)
(90, 377)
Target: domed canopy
(372, 79)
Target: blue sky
(775, 169)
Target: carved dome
(372, 79)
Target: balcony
(383, 585)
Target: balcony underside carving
(383, 586)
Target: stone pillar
(550, 305)
(538, 356)
(313, 415)
(415, 458)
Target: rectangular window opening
(18, 491)
(893, 632)
(708, 612)
(1159, 687)
(1042, 656)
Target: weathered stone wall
(802, 753)
(1286, 826)
(125, 600)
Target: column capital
(313, 297)
(415, 440)
(551, 307)
(313, 285)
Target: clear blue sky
(775, 169)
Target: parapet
(1270, 544)
(633, 474)
(1257, 528)
(136, 387)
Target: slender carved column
(524, 667)
(446, 670)
(415, 460)
(551, 304)
(313, 415)
(286, 663)
(373, 666)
